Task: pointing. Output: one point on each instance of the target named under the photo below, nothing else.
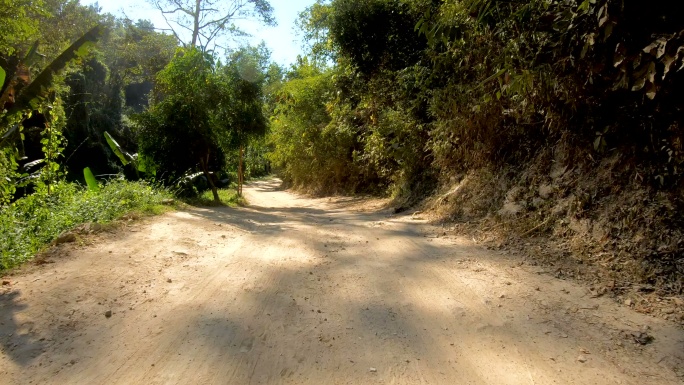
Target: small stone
(642, 338)
(581, 358)
(373, 370)
(167, 201)
(108, 313)
(6, 283)
(628, 302)
(169, 280)
(502, 296)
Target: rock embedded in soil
(65, 238)
(642, 338)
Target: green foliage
(64, 21)
(19, 23)
(256, 158)
(124, 156)
(375, 34)
(522, 75)
(204, 110)
(37, 95)
(52, 144)
(105, 89)
(240, 85)
(32, 222)
(314, 24)
(91, 182)
(30, 96)
(177, 133)
(363, 125)
(308, 151)
(426, 90)
(136, 52)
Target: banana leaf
(30, 95)
(125, 157)
(79, 49)
(90, 180)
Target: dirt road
(292, 290)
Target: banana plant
(127, 158)
(28, 98)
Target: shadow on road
(17, 338)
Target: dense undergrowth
(30, 223)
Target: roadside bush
(32, 222)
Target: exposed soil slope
(292, 290)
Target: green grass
(32, 222)
(228, 197)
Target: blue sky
(281, 40)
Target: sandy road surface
(293, 290)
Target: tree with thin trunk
(200, 22)
(243, 117)
(177, 133)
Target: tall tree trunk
(204, 163)
(195, 26)
(241, 177)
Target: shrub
(32, 222)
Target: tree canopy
(202, 110)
